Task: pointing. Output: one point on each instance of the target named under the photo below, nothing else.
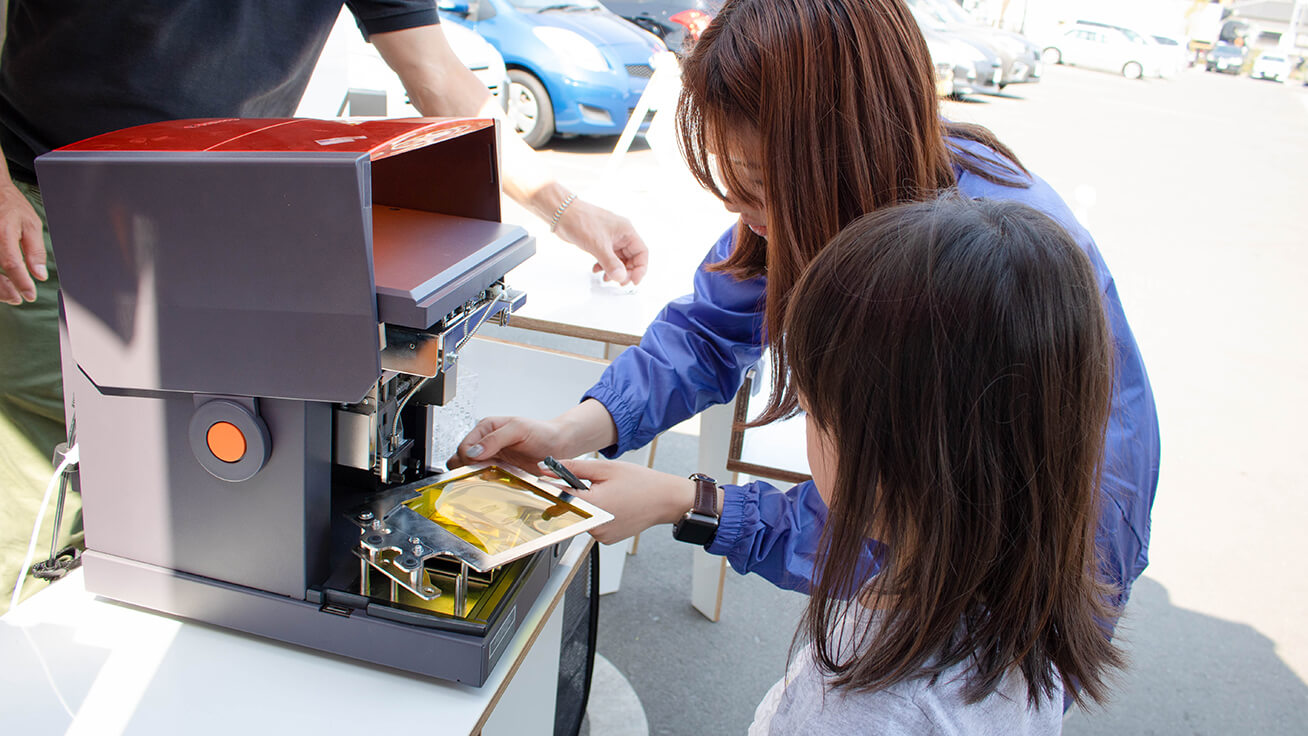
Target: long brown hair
(842, 96)
(956, 355)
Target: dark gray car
(677, 22)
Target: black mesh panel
(577, 654)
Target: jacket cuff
(625, 417)
(739, 505)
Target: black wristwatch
(700, 524)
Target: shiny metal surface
(388, 547)
(428, 353)
(355, 434)
(498, 306)
(415, 352)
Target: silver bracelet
(554, 223)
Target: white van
(1104, 47)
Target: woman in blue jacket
(802, 115)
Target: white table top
(75, 663)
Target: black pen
(568, 477)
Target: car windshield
(539, 5)
(1132, 35)
(1227, 51)
(1277, 59)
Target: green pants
(31, 422)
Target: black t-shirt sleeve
(383, 16)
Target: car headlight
(572, 47)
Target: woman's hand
(515, 440)
(637, 497)
(584, 428)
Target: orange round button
(226, 442)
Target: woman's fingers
(486, 440)
(595, 471)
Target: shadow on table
(1195, 674)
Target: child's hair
(955, 353)
(842, 96)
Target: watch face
(695, 529)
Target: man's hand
(22, 249)
(637, 497)
(609, 238)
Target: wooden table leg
(709, 572)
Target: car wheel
(1132, 70)
(1051, 55)
(530, 109)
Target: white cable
(69, 460)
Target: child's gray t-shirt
(800, 703)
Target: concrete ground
(1195, 189)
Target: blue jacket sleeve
(776, 535)
(692, 356)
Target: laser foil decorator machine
(260, 319)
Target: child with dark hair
(955, 368)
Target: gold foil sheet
(494, 510)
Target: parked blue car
(575, 68)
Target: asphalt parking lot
(1195, 189)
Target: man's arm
(439, 85)
(22, 250)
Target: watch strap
(706, 495)
(700, 524)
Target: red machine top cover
(378, 138)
